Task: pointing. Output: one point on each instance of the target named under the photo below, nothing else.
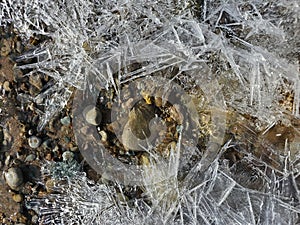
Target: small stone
(141, 129)
(65, 121)
(17, 198)
(7, 160)
(74, 149)
(14, 178)
(92, 115)
(30, 158)
(6, 86)
(129, 140)
(103, 135)
(34, 141)
(30, 132)
(144, 160)
(48, 157)
(68, 156)
(158, 101)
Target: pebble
(14, 178)
(34, 141)
(129, 140)
(74, 149)
(30, 132)
(17, 198)
(68, 156)
(50, 185)
(30, 158)
(144, 160)
(92, 115)
(7, 160)
(6, 86)
(103, 135)
(65, 121)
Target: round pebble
(34, 141)
(17, 198)
(14, 178)
(92, 115)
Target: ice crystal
(251, 48)
(215, 197)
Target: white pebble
(14, 178)
(34, 141)
(68, 156)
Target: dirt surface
(18, 123)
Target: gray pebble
(65, 121)
(14, 178)
(30, 158)
(34, 141)
(92, 115)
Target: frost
(254, 42)
(251, 48)
(213, 198)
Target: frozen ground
(243, 55)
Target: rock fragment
(34, 142)
(14, 178)
(92, 115)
